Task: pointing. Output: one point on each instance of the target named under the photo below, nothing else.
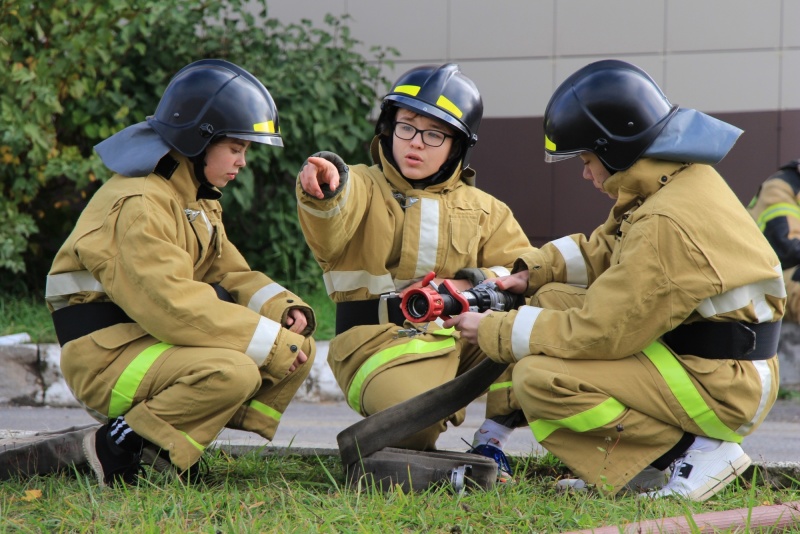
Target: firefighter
(776, 209)
(378, 230)
(167, 334)
(652, 342)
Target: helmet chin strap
(206, 189)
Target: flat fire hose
(393, 424)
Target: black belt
(78, 320)
(722, 341)
(361, 312)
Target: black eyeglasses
(406, 132)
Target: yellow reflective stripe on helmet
(263, 409)
(689, 398)
(128, 382)
(782, 209)
(380, 358)
(549, 145)
(500, 385)
(596, 417)
(193, 442)
(444, 103)
(268, 127)
(407, 89)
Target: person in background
(377, 230)
(776, 209)
(168, 335)
(650, 344)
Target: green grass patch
(288, 494)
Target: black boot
(110, 462)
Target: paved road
(307, 425)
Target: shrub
(74, 73)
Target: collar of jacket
(644, 178)
(399, 183)
(186, 185)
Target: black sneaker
(109, 465)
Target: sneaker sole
(716, 483)
(90, 450)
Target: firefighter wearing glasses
(377, 230)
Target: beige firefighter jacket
(678, 246)
(378, 234)
(152, 246)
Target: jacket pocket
(118, 335)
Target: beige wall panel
(790, 79)
(724, 82)
(652, 64)
(699, 25)
(791, 24)
(589, 27)
(417, 28)
(292, 11)
(512, 88)
(501, 28)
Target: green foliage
(74, 73)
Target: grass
(29, 314)
(292, 493)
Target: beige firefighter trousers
(651, 419)
(186, 396)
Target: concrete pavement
(311, 427)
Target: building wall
(737, 60)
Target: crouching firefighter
(647, 350)
(167, 335)
(379, 230)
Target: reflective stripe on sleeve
(499, 271)
(521, 330)
(593, 418)
(782, 209)
(381, 358)
(577, 274)
(263, 340)
(687, 395)
(128, 382)
(741, 297)
(263, 295)
(62, 284)
(341, 200)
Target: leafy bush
(74, 73)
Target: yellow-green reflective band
(689, 398)
(597, 417)
(262, 408)
(782, 209)
(549, 145)
(444, 103)
(415, 346)
(193, 442)
(407, 89)
(500, 385)
(268, 127)
(128, 382)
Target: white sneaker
(699, 475)
(649, 478)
